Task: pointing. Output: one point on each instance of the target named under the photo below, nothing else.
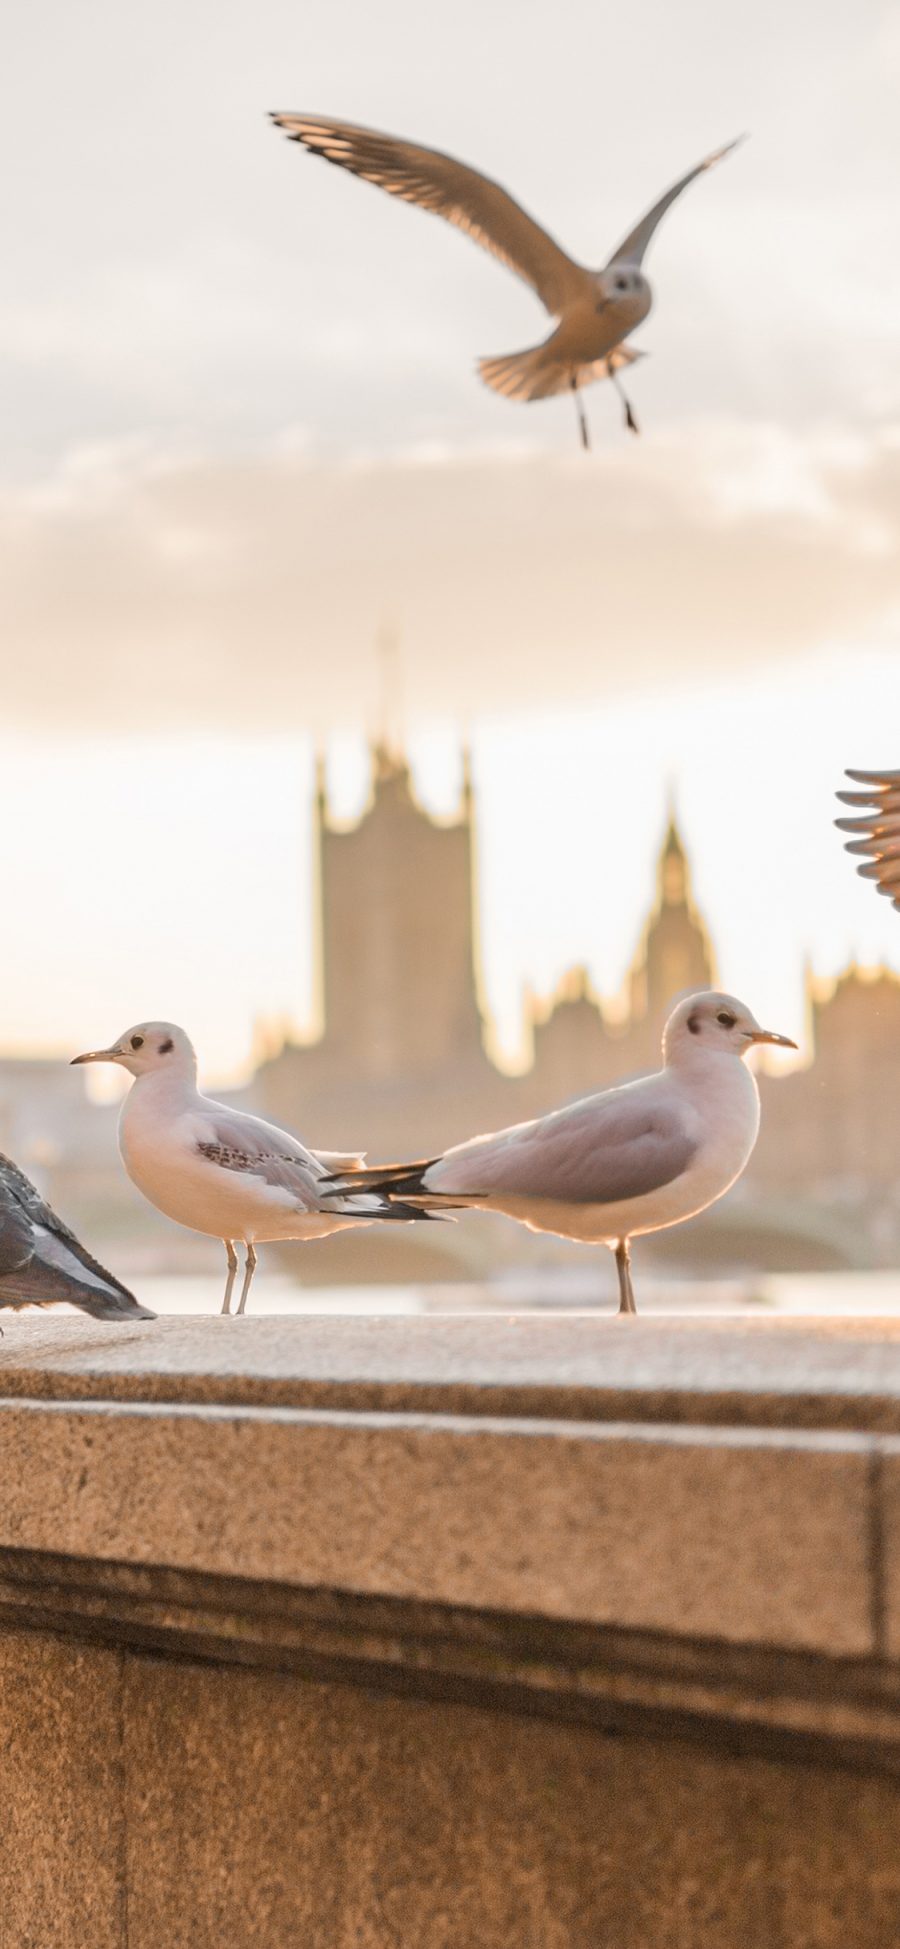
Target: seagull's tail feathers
(525, 375)
(403, 1189)
(360, 1194)
(537, 374)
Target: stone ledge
(449, 1632)
(749, 1536)
(124, 1453)
(751, 1372)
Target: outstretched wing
(635, 244)
(465, 198)
(600, 1151)
(876, 832)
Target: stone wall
(452, 1634)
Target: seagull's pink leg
(232, 1269)
(249, 1270)
(623, 1268)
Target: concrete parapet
(558, 1632)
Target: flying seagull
(629, 1160)
(876, 832)
(42, 1262)
(596, 310)
(218, 1170)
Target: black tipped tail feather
(403, 1186)
(398, 1209)
(391, 1179)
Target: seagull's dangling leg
(582, 421)
(232, 1270)
(623, 1268)
(630, 420)
(249, 1270)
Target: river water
(857, 1294)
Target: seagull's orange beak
(769, 1035)
(97, 1055)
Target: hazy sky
(175, 269)
(242, 432)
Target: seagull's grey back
(604, 1149)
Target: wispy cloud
(143, 590)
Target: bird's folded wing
(602, 1151)
(16, 1234)
(472, 202)
(340, 1160)
(237, 1143)
(631, 251)
(21, 1197)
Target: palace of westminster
(403, 1064)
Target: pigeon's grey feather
(42, 1261)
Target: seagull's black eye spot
(165, 1047)
(726, 1018)
(621, 284)
(694, 1024)
(137, 1042)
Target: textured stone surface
(795, 1373)
(208, 1805)
(262, 1812)
(886, 1563)
(729, 1582)
(709, 1533)
(61, 1807)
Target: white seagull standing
(876, 832)
(629, 1160)
(218, 1170)
(596, 309)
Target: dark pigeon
(42, 1262)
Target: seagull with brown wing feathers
(218, 1170)
(596, 310)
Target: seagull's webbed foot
(623, 1268)
(232, 1273)
(249, 1270)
